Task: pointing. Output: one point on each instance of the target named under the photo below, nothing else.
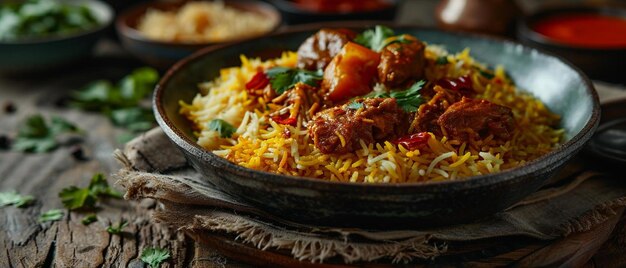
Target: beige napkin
(154, 168)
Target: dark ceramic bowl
(562, 87)
(297, 15)
(607, 64)
(163, 54)
(24, 56)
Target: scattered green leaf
(35, 135)
(378, 38)
(13, 198)
(282, 78)
(409, 100)
(51, 215)
(121, 102)
(354, 105)
(75, 198)
(117, 229)
(88, 219)
(487, 74)
(154, 256)
(222, 127)
(442, 60)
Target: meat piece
(473, 119)
(428, 114)
(378, 120)
(319, 49)
(402, 62)
(300, 101)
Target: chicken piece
(402, 63)
(471, 119)
(427, 115)
(319, 49)
(339, 129)
(300, 101)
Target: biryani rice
(262, 144)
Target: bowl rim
(133, 33)
(91, 4)
(288, 7)
(525, 25)
(566, 149)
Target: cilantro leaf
(374, 39)
(51, 215)
(225, 129)
(35, 135)
(487, 74)
(133, 118)
(154, 256)
(13, 198)
(88, 219)
(354, 105)
(442, 60)
(409, 100)
(75, 198)
(282, 78)
(117, 229)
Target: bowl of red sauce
(593, 38)
(307, 11)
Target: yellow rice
(260, 143)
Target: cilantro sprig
(378, 38)
(222, 127)
(13, 198)
(121, 102)
(409, 100)
(154, 256)
(283, 78)
(38, 136)
(76, 198)
(89, 219)
(117, 229)
(51, 215)
(354, 105)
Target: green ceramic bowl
(22, 56)
(562, 87)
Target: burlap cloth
(154, 168)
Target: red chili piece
(283, 120)
(258, 81)
(463, 83)
(413, 141)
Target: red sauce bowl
(593, 38)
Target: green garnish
(51, 215)
(35, 135)
(486, 74)
(89, 219)
(379, 38)
(225, 129)
(121, 102)
(13, 198)
(409, 100)
(154, 256)
(354, 105)
(442, 60)
(282, 78)
(40, 18)
(74, 198)
(117, 229)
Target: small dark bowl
(607, 64)
(562, 87)
(297, 15)
(163, 54)
(32, 55)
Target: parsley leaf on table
(88, 219)
(222, 127)
(409, 100)
(51, 215)
(117, 229)
(378, 38)
(154, 256)
(74, 198)
(282, 78)
(121, 102)
(35, 135)
(13, 198)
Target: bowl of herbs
(41, 34)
